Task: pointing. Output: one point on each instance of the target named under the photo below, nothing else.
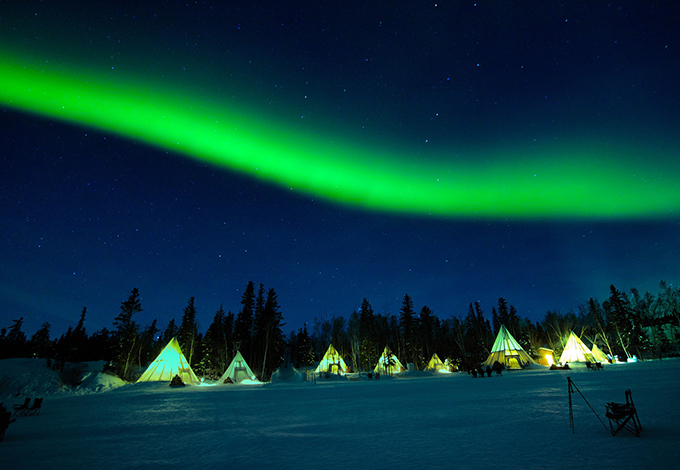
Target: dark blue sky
(87, 215)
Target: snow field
(519, 420)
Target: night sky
(335, 151)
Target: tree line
(625, 324)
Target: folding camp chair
(623, 416)
(20, 410)
(35, 408)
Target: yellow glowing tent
(332, 362)
(388, 363)
(576, 351)
(546, 357)
(436, 364)
(508, 352)
(599, 355)
(238, 370)
(170, 362)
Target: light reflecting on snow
(418, 421)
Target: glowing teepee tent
(332, 362)
(388, 363)
(576, 351)
(599, 355)
(508, 352)
(170, 362)
(436, 364)
(238, 371)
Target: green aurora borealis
(566, 180)
(455, 151)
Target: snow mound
(94, 380)
(27, 377)
(35, 378)
(288, 374)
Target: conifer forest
(626, 324)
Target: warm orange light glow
(549, 359)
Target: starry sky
(335, 151)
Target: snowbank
(96, 381)
(22, 377)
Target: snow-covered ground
(519, 420)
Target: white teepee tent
(508, 352)
(436, 364)
(576, 351)
(170, 362)
(599, 355)
(332, 362)
(388, 363)
(238, 371)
